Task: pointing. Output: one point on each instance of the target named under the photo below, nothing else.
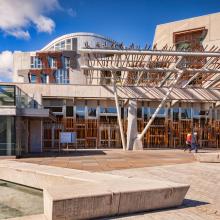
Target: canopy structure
(183, 73)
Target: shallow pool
(17, 200)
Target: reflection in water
(17, 200)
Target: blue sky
(122, 20)
(30, 24)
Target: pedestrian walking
(188, 142)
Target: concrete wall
(164, 32)
(21, 65)
(100, 92)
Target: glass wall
(7, 135)
(7, 95)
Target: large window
(161, 112)
(36, 62)
(66, 62)
(69, 111)
(92, 112)
(175, 114)
(63, 45)
(52, 62)
(62, 76)
(197, 113)
(186, 113)
(146, 113)
(7, 135)
(139, 112)
(80, 112)
(108, 110)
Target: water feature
(17, 200)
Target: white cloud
(6, 65)
(44, 24)
(17, 16)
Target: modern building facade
(109, 94)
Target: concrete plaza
(202, 200)
(112, 159)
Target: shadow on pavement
(65, 153)
(186, 204)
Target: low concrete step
(208, 157)
(74, 194)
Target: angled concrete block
(84, 195)
(208, 157)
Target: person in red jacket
(188, 142)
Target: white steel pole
(118, 112)
(150, 52)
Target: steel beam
(118, 111)
(135, 69)
(160, 106)
(150, 52)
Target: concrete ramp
(76, 194)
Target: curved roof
(77, 34)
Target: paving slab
(202, 201)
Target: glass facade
(7, 95)
(7, 135)
(11, 97)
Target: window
(62, 76)
(57, 46)
(7, 135)
(185, 113)
(200, 113)
(62, 45)
(92, 112)
(80, 112)
(145, 113)
(66, 62)
(36, 63)
(160, 113)
(139, 112)
(175, 114)
(33, 78)
(69, 111)
(52, 62)
(44, 78)
(68, 44)
(108, 110)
